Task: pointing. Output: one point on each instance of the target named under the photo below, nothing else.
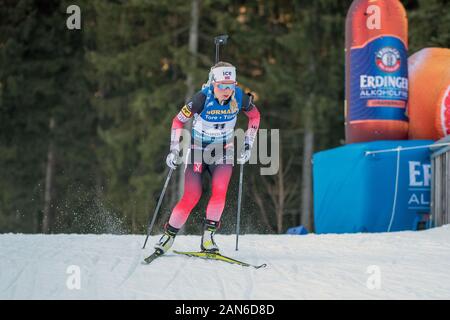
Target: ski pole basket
(440, 183)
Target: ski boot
(167, 239)
(208, 244)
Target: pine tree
(46, 121)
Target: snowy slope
(410, 265)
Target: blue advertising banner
(372, 187)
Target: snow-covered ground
(403, 265)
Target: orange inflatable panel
(429, 94)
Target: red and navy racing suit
(213, 124)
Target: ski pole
(241, 175)
(150, 224)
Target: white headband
(223, 74)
